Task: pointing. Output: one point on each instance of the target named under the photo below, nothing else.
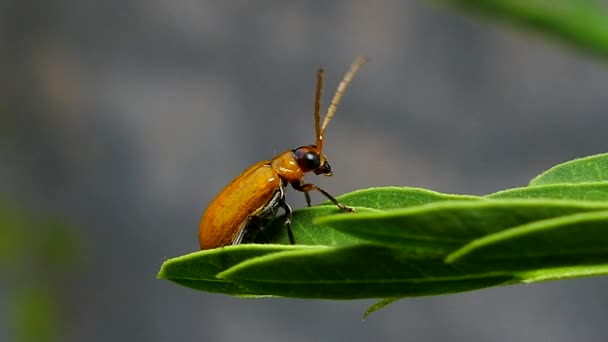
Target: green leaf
(363, 271)
(307, 232)
(583, 170)
(557, 273)
(401, 252)
(392, 197)
(380, 305)
(573, 240)
(439, 228)
(197, 270)
(582, 191)
(583, 24)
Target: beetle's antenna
(317, 108)
(348, 77)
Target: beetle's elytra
(255, 196)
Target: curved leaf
(307, 232)
(197, 270)
(583, 170)
(392, 197)
(439, 228)
(363, 271)
(583, 191)
(567, 272)
(577, 239)
(409, 246)
(380, 305)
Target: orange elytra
(255, 196)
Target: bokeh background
(121, 120)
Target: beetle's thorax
(286, 166)
(291, 165)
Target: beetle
(255, 196)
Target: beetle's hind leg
(288, 216)
(242, 230)
(308, 187)
(248, 230)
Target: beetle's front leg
(308, 187)
(307, 196)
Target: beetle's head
(310, 158)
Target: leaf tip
(162, 274)
(167, 267)
(452, 257)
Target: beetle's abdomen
(245, 196)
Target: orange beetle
(254, 197)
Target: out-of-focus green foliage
(36, 255)
(582, 24)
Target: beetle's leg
(307, 195)
(248, 230)
(288, 215)
(308, 187)
(242, 230)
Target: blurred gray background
(125, 118)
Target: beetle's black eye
(308, 158)
(310, 161)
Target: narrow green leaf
(578, 239)
(439, 228)
(363, 271)
(583, 170)
(545, 274)
(582, 191)
(514, 240)
(380, 305)
(197, 270)
(307, 232)
(392, 197)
